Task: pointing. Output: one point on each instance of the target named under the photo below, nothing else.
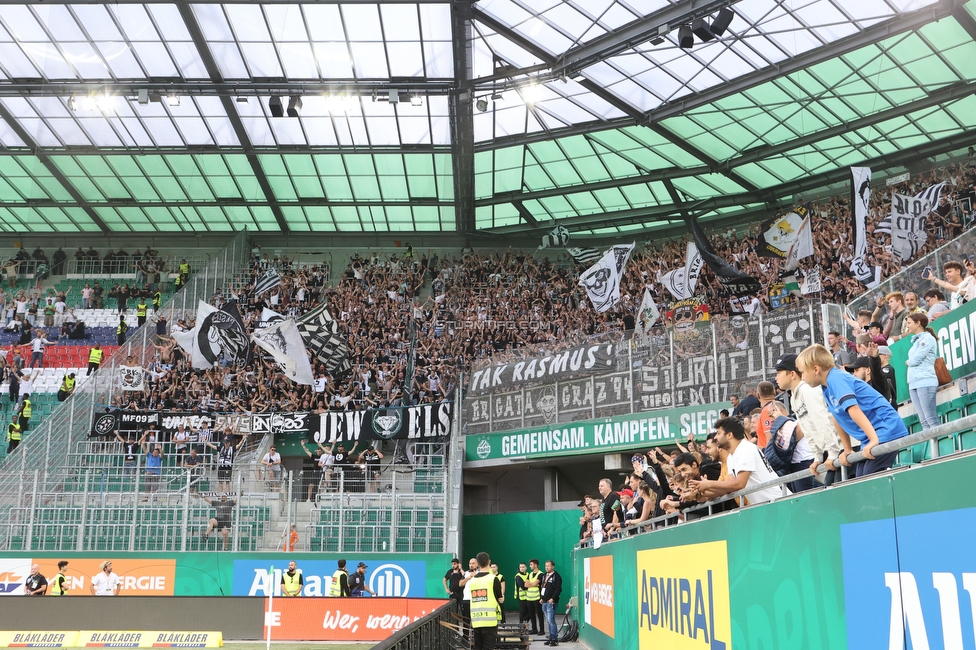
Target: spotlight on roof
(173, 100)
(686, 37)
(482, 104)
(701, 30)
(416, 100)
(294, 106)
(496, 97)
(274, 105)
(722, 21)
(73, 103)
(240, 99)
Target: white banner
(801, 247)
(860, 204)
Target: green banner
(956, 333)
(820, 571)
(602, 436)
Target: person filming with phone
(960, 281)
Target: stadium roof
(494, 117)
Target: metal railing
(426, 633)
(930, 438)
(48, 446)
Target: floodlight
(73, 103)
(722, 21)
(173, 100)
(416, 100)
(482, 105)
(294, 106)
(274, 105)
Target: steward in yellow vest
(486, 595)
(58, 587)
(291, 581)
(14, 434)
(340, 581)
(141, 309)
(67, 387)
(25, 411)
(95, 358)
(533, 597)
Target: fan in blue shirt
(859, 411)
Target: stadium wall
(840, 568)
(516, 537)
(224, 574)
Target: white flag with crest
(681, 282)
(647, 314)
(602, 280)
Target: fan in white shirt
(747, 467)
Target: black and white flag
(602, 280)
(218, 333)
(908, 215)
(283, 340)
(929, 194)
(558, 238)
(812, 282)
(681, 282)
(321, 335)
(860, 206)
(267, 282)
(779, 234)
(585, 255)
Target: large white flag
(284, 342)
(602, 280)
(219, 333)
(681, 282)
(860, 203)
(801, 247)
(132, 378)
(647, 314)
(908, 214)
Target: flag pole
(267, 616)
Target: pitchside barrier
(866, 564)
(42, 621)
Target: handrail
(423, 634)
(949, 428)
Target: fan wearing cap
(867, 366)
(357, 582)
(812, 416)
(859, 411)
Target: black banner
(106, 424)
(735, 281)
(584, 360)
(423, 422)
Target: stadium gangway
(929, 437)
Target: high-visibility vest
(141, 308)
(533, 593)
(335, 591)
(13, 431)
(292, 585)
(184, 268)
(484, 605)
(57, 586)
(95, 356)
(122, 328)
(520, 592)
(68, 384)
(157, 300)
(27, 410)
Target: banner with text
(584, 360)
(422, 422)
(625, 433)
